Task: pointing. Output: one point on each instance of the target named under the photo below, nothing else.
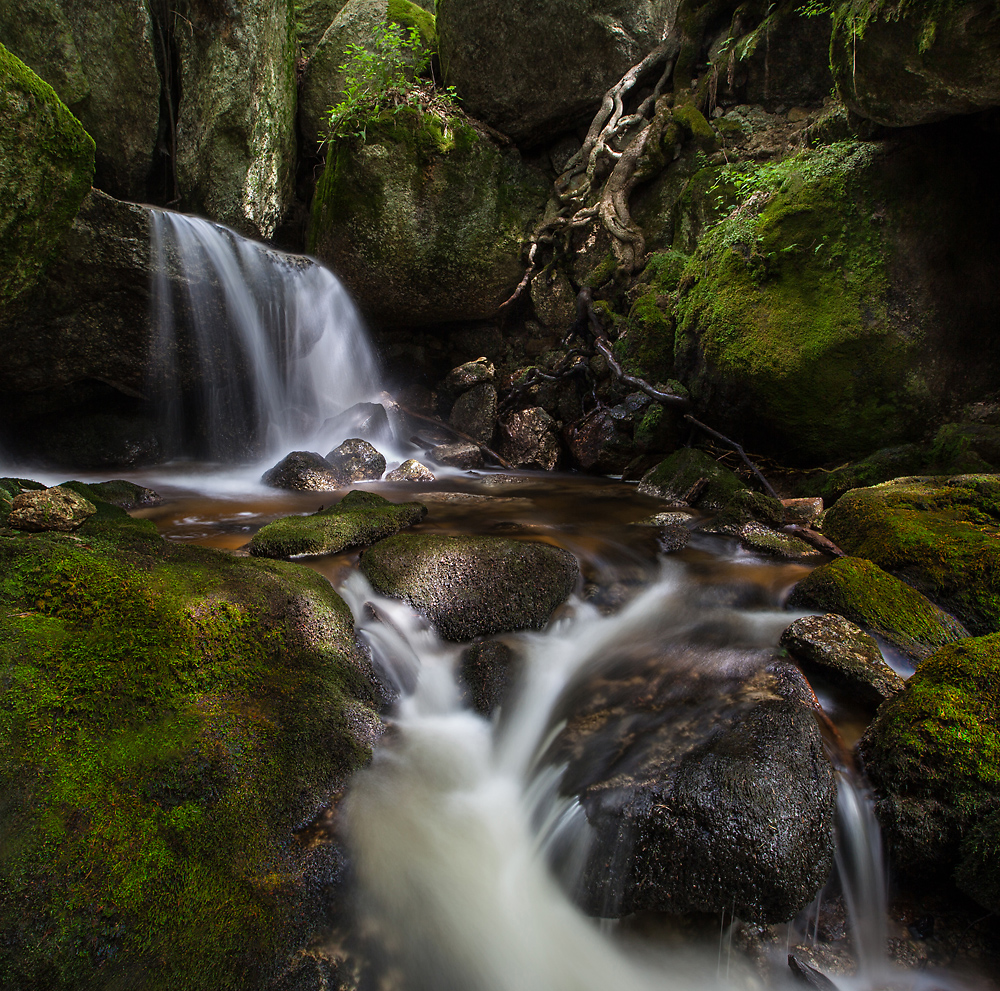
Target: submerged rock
(939, 534)
(306, 471)
(171, 715)
(359, 519)
(705, 781)
(930, 755)
(49, 509)
(358, 460)
(486, 674)
(844, 653)
(865, 594)
(473, 586)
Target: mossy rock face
(425, 219)
(357, 22)
(118, 492)
(901, 64)
(939, 534)
(673, 478)
(46, 167)
(99, 58)
(236, 141)
(933, 757)
(473, 586)
(865, 594)
(359, 519)
(168, 716)
(819, 320)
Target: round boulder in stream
(473, 586)
(704, 780)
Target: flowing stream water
(465, 851)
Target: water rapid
(255, 350)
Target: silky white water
(256, 350)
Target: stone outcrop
(424, 220)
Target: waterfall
(254, 349)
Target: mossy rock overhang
(825, 316)
(933, 757)
(941, 534)
(424, 220)
(359, 519)
(168, 716)
(473, 586)
(46, 169)
(902, 64)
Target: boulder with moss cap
(473, 586)
(867, 595)
(932, 757)
(359, 519)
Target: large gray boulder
(358, 22)
(529, 68)
(473, 586)
(100, 59)
(706, 785)
(424, 220)
(924, 63)
(46, 165)
(236, 118)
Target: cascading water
(256, 350)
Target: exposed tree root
(722, 439)
(457, 433)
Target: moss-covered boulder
(169, 716)
(675, 477)
(359, 519)
(99, 58)
(236, 144)
(939, 534)
(46, 167)
(358, 22)
(425, 219)
(531, 70)
(473, 586)
(820, 319)
(933, 757)
(867, 595)
(910, 63)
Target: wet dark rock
(601, 442)
(846, 654)
(803, 511)
(460, 455)
(486, 675)
(306, 470)
(465, 376)
(930, 755)
(358, 460)
(705, 781)
(473, 586)
(528, 439)
(367, 420)
(767, 540)
(674, 478)
(49, 509)
(673, 532)
(868, 596)
(410, 471)
(475, 412)
(359, 519)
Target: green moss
(46, 168)
(693, 121)
(867, 595)
(933, 755)
(359, 519)
(785, 306)
(408, 15)
(941, 534)
(673, 478)
(164, 713)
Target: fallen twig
(458, 433)
(723, 439)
